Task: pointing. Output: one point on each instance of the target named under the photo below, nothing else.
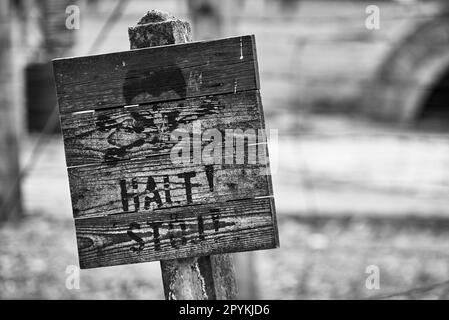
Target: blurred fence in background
(318, 55)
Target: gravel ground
(35, 253)
(318, 259)
(327, 259)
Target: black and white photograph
(235, 150)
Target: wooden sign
(166, 152)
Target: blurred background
(363, 171)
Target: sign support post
(199, 278)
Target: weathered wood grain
(176, 233)
(156, 74)
(143, 131)
(145, 184)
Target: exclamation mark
(210, 177)
(124, 195)
(136, 194)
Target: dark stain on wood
(154, 82)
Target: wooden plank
(147, 184)
(176, 233)
(144, 131)
(156, 74)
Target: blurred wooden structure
(318, 55)
(10, 203)
(32, 33)
(51, 39)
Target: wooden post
(48, 19)
(49, 24)
(10, 206)
(202, 278)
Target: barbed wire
(363, 81)
(415, 136)
(354, 22)
(336, 18)
(411, 292)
